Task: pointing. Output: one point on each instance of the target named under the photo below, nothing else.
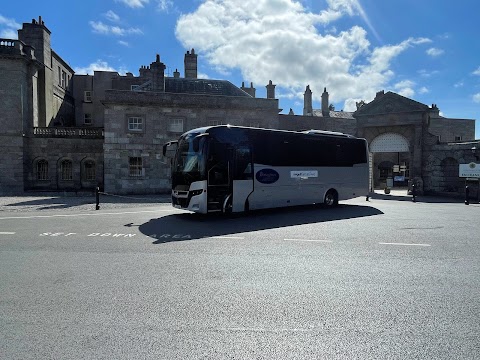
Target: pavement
(72, 202)
(87, 202)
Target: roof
(203, 86)
(334, 114)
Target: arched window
(42, 170)
(66, 170)
(89, 170)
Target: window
(176, 125)
(458, 138)
(135, 87)
(42, 170)
(59, 76)
(66, 170)
(215, 122)
(135, 166)
(439, 139)
(87, 96)
(64, 79)
(89, 167)
(88, 120)
(135, 123)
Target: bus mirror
(169, 149)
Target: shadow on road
(188, 226)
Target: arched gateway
(390, 164)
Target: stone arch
(389, 142)
(451, 182)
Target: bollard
(414, 193)
(97, 198)
(467, 195)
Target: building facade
(67, 132)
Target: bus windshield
(189, 163)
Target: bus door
(242, 185)
(219, 178)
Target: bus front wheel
(331, 198)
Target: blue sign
(267, 176)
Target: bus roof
(312, 131)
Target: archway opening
(390, 161)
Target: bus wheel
(331, 198)
(227, 204)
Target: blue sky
(426, 50)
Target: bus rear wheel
(331, 198)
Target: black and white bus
(233, 169)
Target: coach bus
(234, 169)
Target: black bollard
(97, 198)
(467, 195)
(414, 193)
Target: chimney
(270, 90)
(157, 72)
(190, 63)
(251, 90)
(325, 108)
(307, 102)
(176, 74)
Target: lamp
(474, 152)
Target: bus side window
(243, 164)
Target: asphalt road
(384, 279)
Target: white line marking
(6, 233)
(228, 237)
(89, 214)
(403, 244)
(308, 240)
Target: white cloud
(8, 28)
(476, 98)
(10, 23)
(99, 65)
(435, 52)
(134, 3)
(283, 42)
(110, 15)
(101, 28)
(9, 34)
(477, 72)
(124, 43)
(427, 73)
(165, 5)
(423, 90)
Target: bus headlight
(196, 192)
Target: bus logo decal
(267, 176)
(303, 174)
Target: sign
(267, 176)
(303, 174)
(399, 178)
(396, 168)
(471, 170)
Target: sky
(425, 50)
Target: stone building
(61, 131)
(408, 141)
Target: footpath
(87, 201)
(72, 202)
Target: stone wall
(54, 150)
(158, 111)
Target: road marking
(308, 240)
(228, 237)
(6, 233)
(403, 244)
(86, 214)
